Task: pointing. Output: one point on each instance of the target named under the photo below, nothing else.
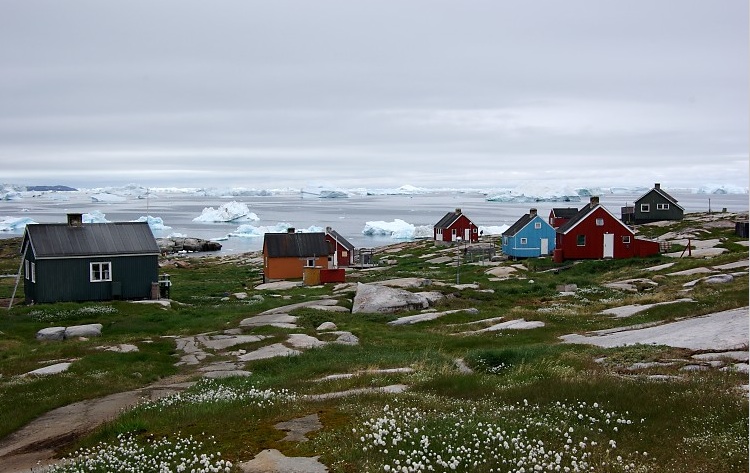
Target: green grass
(524, 382)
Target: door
(544, 244)
(467, 234)
(609, 245)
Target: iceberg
(398, 229)
(94, 217)
(251, 231)
(494, 229)
(11, 195)
(229, 212)
(15, 224)
(154, 223)
(537, 193)
(107, 198)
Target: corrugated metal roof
(92, 239)
(301, 245)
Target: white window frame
(104, 270)
(599, 222)
(581, 240)
(26, 269)
(645, 208)
(537, 225)
(626, 239)
(310, 263)
(662, 206)
(33, 271)
(524, 241)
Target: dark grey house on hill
(89, 262)
(654, 206)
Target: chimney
(328, 229)
(657, 186)
(594, 201)
(458, 211)
(532, 213)
(75, 220)
(290, 230)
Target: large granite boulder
(51, 333)
(88, 330)
(373, 298)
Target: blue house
(530, 237)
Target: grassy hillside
(530, 400)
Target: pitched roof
(59, 240)
(301, 245)
(339, 239)
(564, 212)
(519, 225)
(450, 218)
(657, 189)
(583, 213)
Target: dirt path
(34, 445)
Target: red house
(455, 226)
(594, 233)
(341, 251)
(559, 216)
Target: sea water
(348, 216)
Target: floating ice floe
(94, 217)
(494, 229)
(537, 193)
(229, 212)
(10, 195)
(398, 229)
(108, 198)
(14, 224)
(252, 231)
(155, 223)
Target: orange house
(285, 255)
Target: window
(524, 241)
(626, 238)
(33, 272)
(662, 206)
(26, 268)
(474, 230)
(645, 208)
(505, 240)
(538, 225)
(599, 222)
(344, 253)
(100, 272)
(310, 262)
(581, 240)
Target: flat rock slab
(49, 370)
(628, 310)
(404, 283)
(121, 348)
(222, 342)
(730, 355)
(301, 340)
(298, 428)
(278, 285)
(502, 271)
(737, 264)
(725, 330)
(285, 309)
(88, 330)
(273, 461)
(332, 377)
(392, 389)
(279, 320)
(373, 298)
(660, 267)
(690, 272)
(270, 351)
(226, 374)
(440, 260)
(631, 285)
(413, 319)
(518, 324)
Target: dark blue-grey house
(530, 237)
(89, 262)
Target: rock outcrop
(372, 298)
(176, 244)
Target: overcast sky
(379, 93)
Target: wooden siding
(58, 280)
(654, 200)
(289, 267)
(568, 243)
(514, 246)
(460, 225)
